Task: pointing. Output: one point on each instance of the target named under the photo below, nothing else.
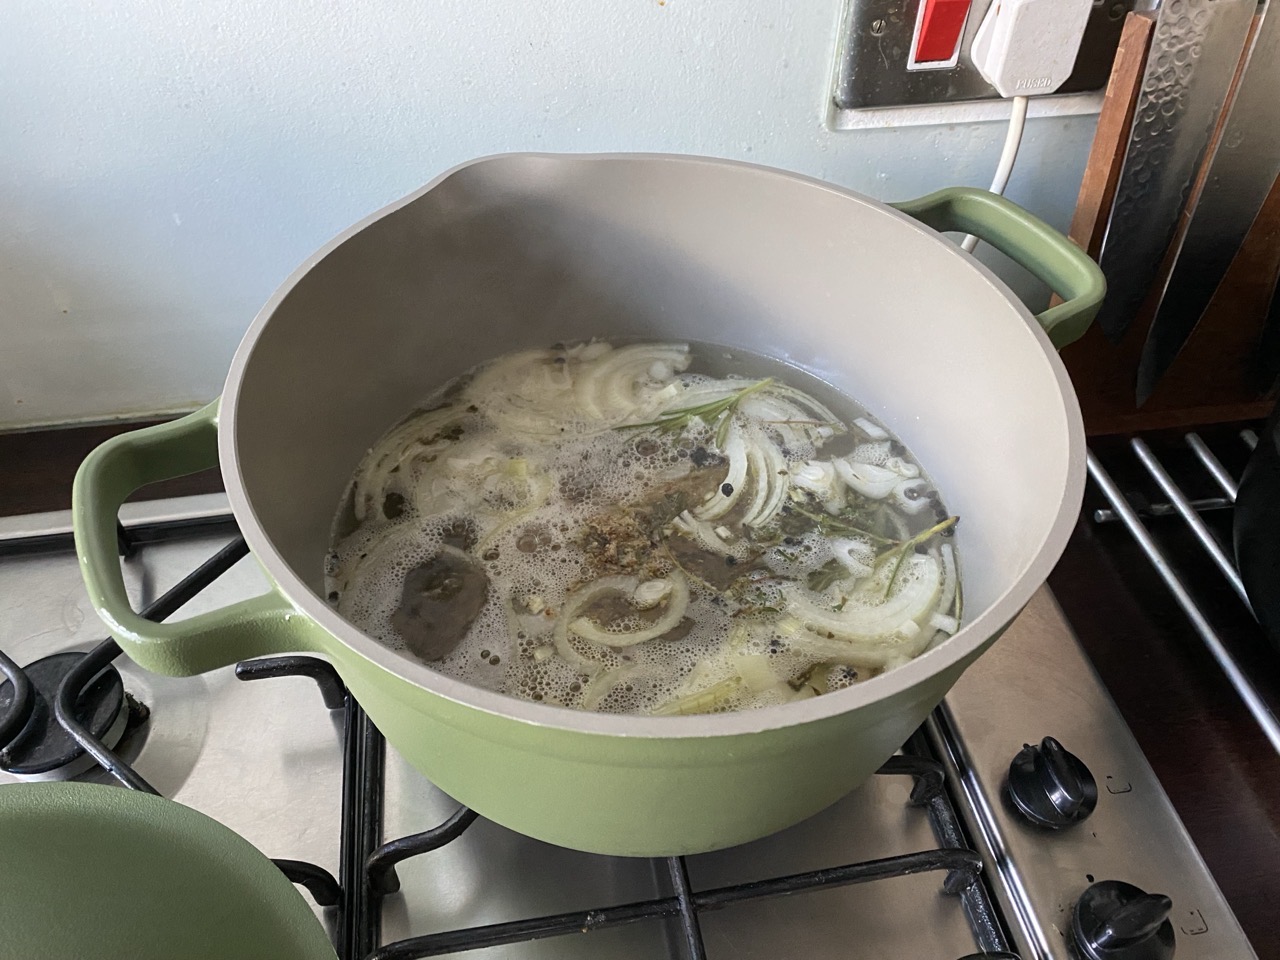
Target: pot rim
(888, 685)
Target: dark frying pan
(1257, 514)
(1257, 528)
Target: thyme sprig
(908, 546)
(827, 522)
(827, 574)
(676, 421)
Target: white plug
(1027, 48)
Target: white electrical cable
(1012, 140)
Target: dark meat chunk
(441, 599)
(717, 570)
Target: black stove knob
(1118, 921)
(1051, 787)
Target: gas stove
(1014, 823)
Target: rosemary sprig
(909, 545)
(675, 421)
(828, 522)
(833, 424)
(759, 609)
(800, 681)
(827, 574)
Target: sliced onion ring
(770, 468)
(735, 479)
(864, 617)
(866, 478)
(606, 388)
(677, 603)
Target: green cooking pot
(524, 250)
(104, 872)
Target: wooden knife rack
(1215, 378)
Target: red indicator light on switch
(941, 24)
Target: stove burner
(43, 750)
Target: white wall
(165, 163)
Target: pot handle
(1029, 242)
(250, 628)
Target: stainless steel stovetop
(267, 757)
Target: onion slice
(403, 446)
(910, 497)
(872, 430)
(770, 469)
(528, 391)
(884, 653)
(677, 602)
(607, 389)
(796, 424)
(867, 479)
(857, 555)
(707, 535)
(735, 479)
(950, 581)
(866, 614)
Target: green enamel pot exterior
(108, 873)
(524, 250)
(687, 795)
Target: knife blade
(1244, 165)
(1195, 49)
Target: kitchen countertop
(1217, 767)
(38, 466)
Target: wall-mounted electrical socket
(877, 65)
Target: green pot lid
(104, 872)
